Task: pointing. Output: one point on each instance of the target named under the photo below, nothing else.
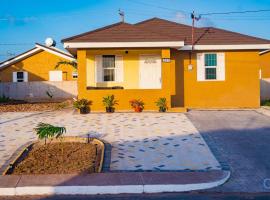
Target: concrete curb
(142, 183)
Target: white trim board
(263, 52)
(226, 47)
(172, 44)
(15, 59)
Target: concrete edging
(112, 189)
(26, 148)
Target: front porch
(146, 74)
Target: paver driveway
(140, 141)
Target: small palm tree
(46, 131)
(74, 64)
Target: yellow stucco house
(265, 63)
(38, 64)
(156, 58)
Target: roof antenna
(122, 15)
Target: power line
(235, 12)
(15, 44)
(160, 7)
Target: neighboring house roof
(38, 48)
(160, 30)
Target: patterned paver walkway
(140, 141)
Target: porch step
(177, 109)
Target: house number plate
(166, 60)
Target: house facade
(265, 63)
(157, 58)
(38, 64)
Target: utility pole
(194, 18)
(122, 15)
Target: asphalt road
(242, 139)
(164, 196)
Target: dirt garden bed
(76, 155)
(23, 106)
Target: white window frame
(210, 67)
(114, 68)
(74, 74)
(24, 78)
(220, 68)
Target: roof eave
(91, 45)
(227, 47)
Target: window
(108, 65)
(210, 63)
(75, 74)
(20, 77)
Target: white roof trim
(226, 47)
(265, 51)
(48, 49)
(19, 57)
(172, 44)
(33, 51)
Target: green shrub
(162, 104)
(81, 103)
(265, 102)
(109, 102)
(4, 99)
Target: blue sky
(22, 23)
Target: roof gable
(38, 48)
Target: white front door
(150, 72)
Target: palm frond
(44, 131)
(71, 63)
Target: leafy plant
(83, 105)
(73, 64)
(46, 131)
(109, 102)
(137, 105)
(162, 104)
(4, 99)
(265, 102)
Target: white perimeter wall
(37, 90)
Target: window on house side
(74, 75)
(210, 63)
(20, 77)
(108, 65)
